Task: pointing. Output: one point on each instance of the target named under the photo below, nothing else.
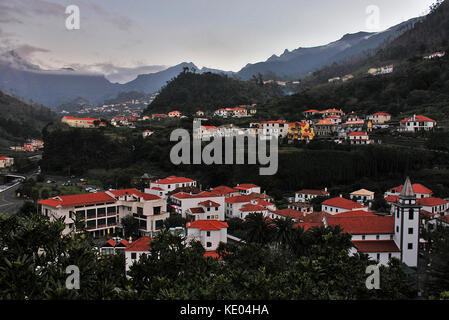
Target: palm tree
(284, 232)
(259, 229)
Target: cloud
(13, 12)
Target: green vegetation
(173, 270)
(19, 121)
(189, 92)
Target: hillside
(190, 91)
(19, 121)
(416, 85)
(421, 87)
(428, 35)
(300, 62)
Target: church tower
(406, 224)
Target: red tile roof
(355, 213)
(223, 190)
(145, 196)
(197, 210)
(173, 179)
(290, 213)
(78, 199)
(141, 244)
(209, 204)
(314, 192)
(210, 225)
(252, 207)
(391, 198)
(357, 134)
(344, 203)
(364, 224)
(308, 225)
(370, 246)
(431, 201)
(418, 118)
(417, 188)
(239, 199)
(246, 186)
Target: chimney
(341, 195)
(325, 189)
(130, 240)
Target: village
(380, 235)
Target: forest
(190, 91)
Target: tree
(130, 226)
(259, 229)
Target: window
(389, 256)
(411, 214)
(410, 230)
(208, 233)
(410, 246)
(378, 257)
(363, 237)
(133, 255)
(397, 229)
(156, 210)
(377, 237)
(209, 244)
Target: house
(340, 204)
(206, 132)
(208, 205)
(247, 188)
(419, 190)
(335, 79)
(79, 122)
(112, 246)
(174, 114)
(6, 162)
(300, 131)
(278, 128)
(225, 191)
(147, 133)
(199, 113)
(306, 195)
(324, 127)
(435, 55)
(249, 204)
(379, 117)
(162, 186)
(101, 212)
(305, 208)
(135, 250)
(347, 77)
(288, 213)
(362, 196)
(433, 209)
(239, 112)
(359, 138)
(332, 112)
(209, 232)
(311, 112)
(417, 123)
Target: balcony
(112, 213)
(112, 224)
(101, 215)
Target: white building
(419, 190)
(416, 123)
(247, 188)
(211, 203)
(135, 250)
(306, 195)
(339, 204)
(147, 133)
(362, 196)
(6, 162)
(162, 186)
(358, 138)
(101, 212)
(209, 232)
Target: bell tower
(406, 224)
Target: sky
(128, 37)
